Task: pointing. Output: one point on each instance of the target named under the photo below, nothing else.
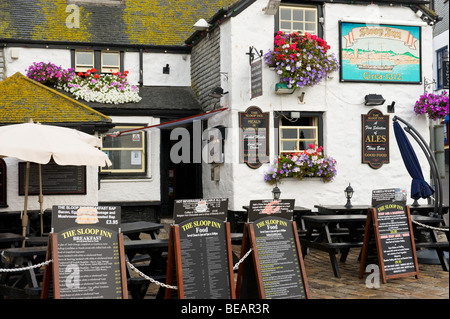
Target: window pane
(297, 26)
(289, 133)
(285, 14)
(298, 15)
(289, 146)
(310, 27)
(307, 133)
(85, 58)
(310, 16)
(126, 160)
(285, 25)
(134, 140)
(110, 59)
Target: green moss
(22, 99)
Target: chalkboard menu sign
(199, 253)
(56, 179)
(87, 251)
(267, 207)
(2, 183)
(375, 138)
(391, 222)
(276, 270)
(254, 137)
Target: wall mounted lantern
(201, 25)
(276, 193)
(374, 99)
(217, 93)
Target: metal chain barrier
(242, 259)
(151, 279)
(45, 263)
(430, 227)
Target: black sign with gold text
(375, 138)
(88, 251)
(254, 137)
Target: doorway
(178, 180)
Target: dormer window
(84, 60)
(110, 62)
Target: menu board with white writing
(395, 238)
(88, 251)
(204, 259)
(279, 258)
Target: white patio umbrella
(39, 143)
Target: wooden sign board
(88, 255)
(396, 251)
(254, 137)
(276, 269)
(375, 138)
(200, 258)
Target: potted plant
(434, 105)
(304, 164)
(300, 60)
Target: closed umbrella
(38, 143)
(419, 187)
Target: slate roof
(127, 22)
(160, 101)
(22, 99)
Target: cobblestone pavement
(433, 282)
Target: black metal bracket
(251, 54)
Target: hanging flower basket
(434, 105)
(305, 164)
(301, 60)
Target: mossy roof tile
(130, 22)
(22, 99)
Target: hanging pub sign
(2, 183)
(375, 138)
(254, 137)
(380, 53)
(256, 78)
(86, 247)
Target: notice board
(275, 269)
(396, 252)
(86, 247)
(199, 254)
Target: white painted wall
(343, 104)
(138, 189)
(16, 202)
(26, 57)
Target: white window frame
(110, 68)
(298, 140)
(291, 21)
(141, 148)
(83, 67)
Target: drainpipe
(141, 67)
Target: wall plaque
(254, 137)
(375, 138)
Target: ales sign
(375, 138)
